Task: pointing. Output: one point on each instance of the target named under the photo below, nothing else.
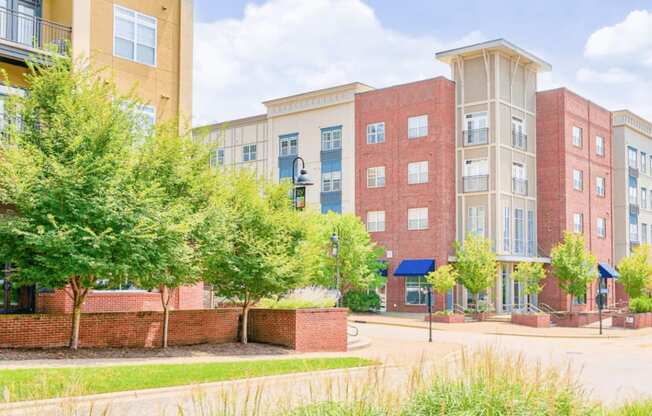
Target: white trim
(135, 40)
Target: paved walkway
(413, 320)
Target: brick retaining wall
(304, 330)
(535, 320)
(639, 320)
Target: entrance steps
(499, 318)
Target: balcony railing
(519, 140)
(519, 186)
(476, 137)
(476, 183)
(633, 209)
(33, 32)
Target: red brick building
(574, 181)
(405, 179)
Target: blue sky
(250, 51)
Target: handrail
(33, 31)
(457, 308)
(548, 309)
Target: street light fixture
(336, 253)
(300, 182)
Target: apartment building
(405, 182)
(495, 157)
(632, 182)
(141, 44)
(575, 185)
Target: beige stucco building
(146, 45)
(496, 84)
(632, 195)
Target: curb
(107, 398)
(362, 343)
(509, 334)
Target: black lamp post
(336, 253)
(427, 291)
(300, 182)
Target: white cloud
(611, 76)
(288, 46)
(630, 38)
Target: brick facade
(303, 330)
(393, 105)
(184, 298)
(557, 112)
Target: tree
(573, 264)
(636, 271)
(249, 240)
(358, 256)
(476, 265)
(175, 169)
(443, 279)
(530, 275)
(76, 217)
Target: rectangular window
(602, 227)
(632, 157)
(577, 136)
(417, 218)
(643, 162)
(331, 181)
(633, 227)
(248, 152)
(643, 233)
(650, 163)
(578, 180)
(416, 290)
(506, 236)
(375, 221)
(519, 179)
(600, 186)
(418, 172)
(134, 36)
(417, 126)
(633, 190)
(288, 145)
(145, 116)
(578, 223)
(530, 233)
(217, 158)
(644, 198)
(375, 133)
(599, 145)
(331, 139)
(519, 139)
(376, 177)
(476, 131)
(519, 246)
(476, 221)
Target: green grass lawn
(39, 383)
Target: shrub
(362, 301)
(643, 408)
(303, 298)
(359, 408)
(640, 305)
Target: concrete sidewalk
(413, 320)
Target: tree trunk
(166, 295)
(245, 324)
(78, 296)
(476, 297)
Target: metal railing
(519, 186)
(633, 209)
(519, 140)
(476, 137)
(33, 32)
(476, 183)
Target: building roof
(632, 120)
(502, 45)
(233, 123)
(352, 85)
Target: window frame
(421, 130)
(287, 141)
(377, 215)
(376, 134)
(580, 216)
(374, 173)
(599, 146)
(577, 140)
(246, 149)
(135, 42)
(519, 231)
(331, 178)
(420, 172)
(601, 227)
(476, 218)
(600, 186)
(416, 287)
(330, 133)
(422, 223)
(575, 180)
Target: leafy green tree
(443, 279)
(358, 256)
(476, 265)
(573, 264)
(249, 240)
(76, 216)
(636, 271)
(175, 170)
(530, 275)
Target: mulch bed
(202, 350)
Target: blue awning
(419, 267)
(607, 272)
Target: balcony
(476, 183)
(476, 137)
(519, 186)
(633, 208)
(519, 140)
(22, 35)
